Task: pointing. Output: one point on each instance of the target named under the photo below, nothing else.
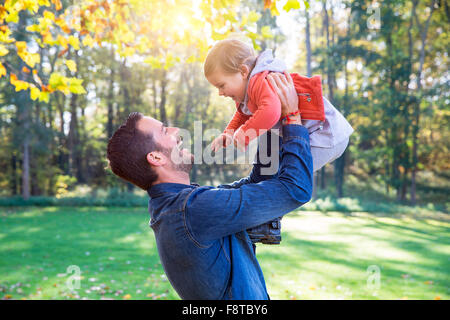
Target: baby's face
(230, 85)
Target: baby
(233, 68)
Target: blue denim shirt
(200, 231)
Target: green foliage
(125, 200)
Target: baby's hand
(222, 141)
(239, 140)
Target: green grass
(322, 255)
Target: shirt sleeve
(267, 114)
(212, 213)
(238, 120)
(253, 177)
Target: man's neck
(178, 177)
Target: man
(200, 231)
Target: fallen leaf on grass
(127, 296)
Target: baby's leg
(322, 156)
(265, 166)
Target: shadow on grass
(418, 260)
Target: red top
(264, 104)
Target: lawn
(322, 255)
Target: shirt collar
(162, 188)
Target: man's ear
(245, 71)
(156, 159)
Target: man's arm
(212, 213)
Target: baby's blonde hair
(229, 55)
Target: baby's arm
(238, 120)
(266, 115)
(226, 137)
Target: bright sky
(291, 26)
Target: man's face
(170, 142)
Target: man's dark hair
(127, 153)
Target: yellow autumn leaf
(3, 50)
(3, 14)
(273, 9)
(71, 65)
(75, 86)
(153, 62)
(48, 38)
(30, 58)
(13, 17)
(74, 42)
(127, 52)
(88, 41)
(127, 296)
(34, 93)
(192, 58)
(58, 82)
(266, 32)
(21, 46)
(62, 41)
(253, 16)
(49, 15)
(25, 69)
(18, 84)
(2, 70)
(21, 85)
(291, 4)
(30, 5)
(57, 3)
(44, 96)
(33, 28)
(4, 36)
(44, 3)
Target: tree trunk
(423, 33)
(309, 74)
(24, 105)
(110, 104)
(308, 45)
(162, 103)
(14, 174)
(26, 169)
(75, 161)
(62, 158)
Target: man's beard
(178, 162)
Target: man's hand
(284, 87)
